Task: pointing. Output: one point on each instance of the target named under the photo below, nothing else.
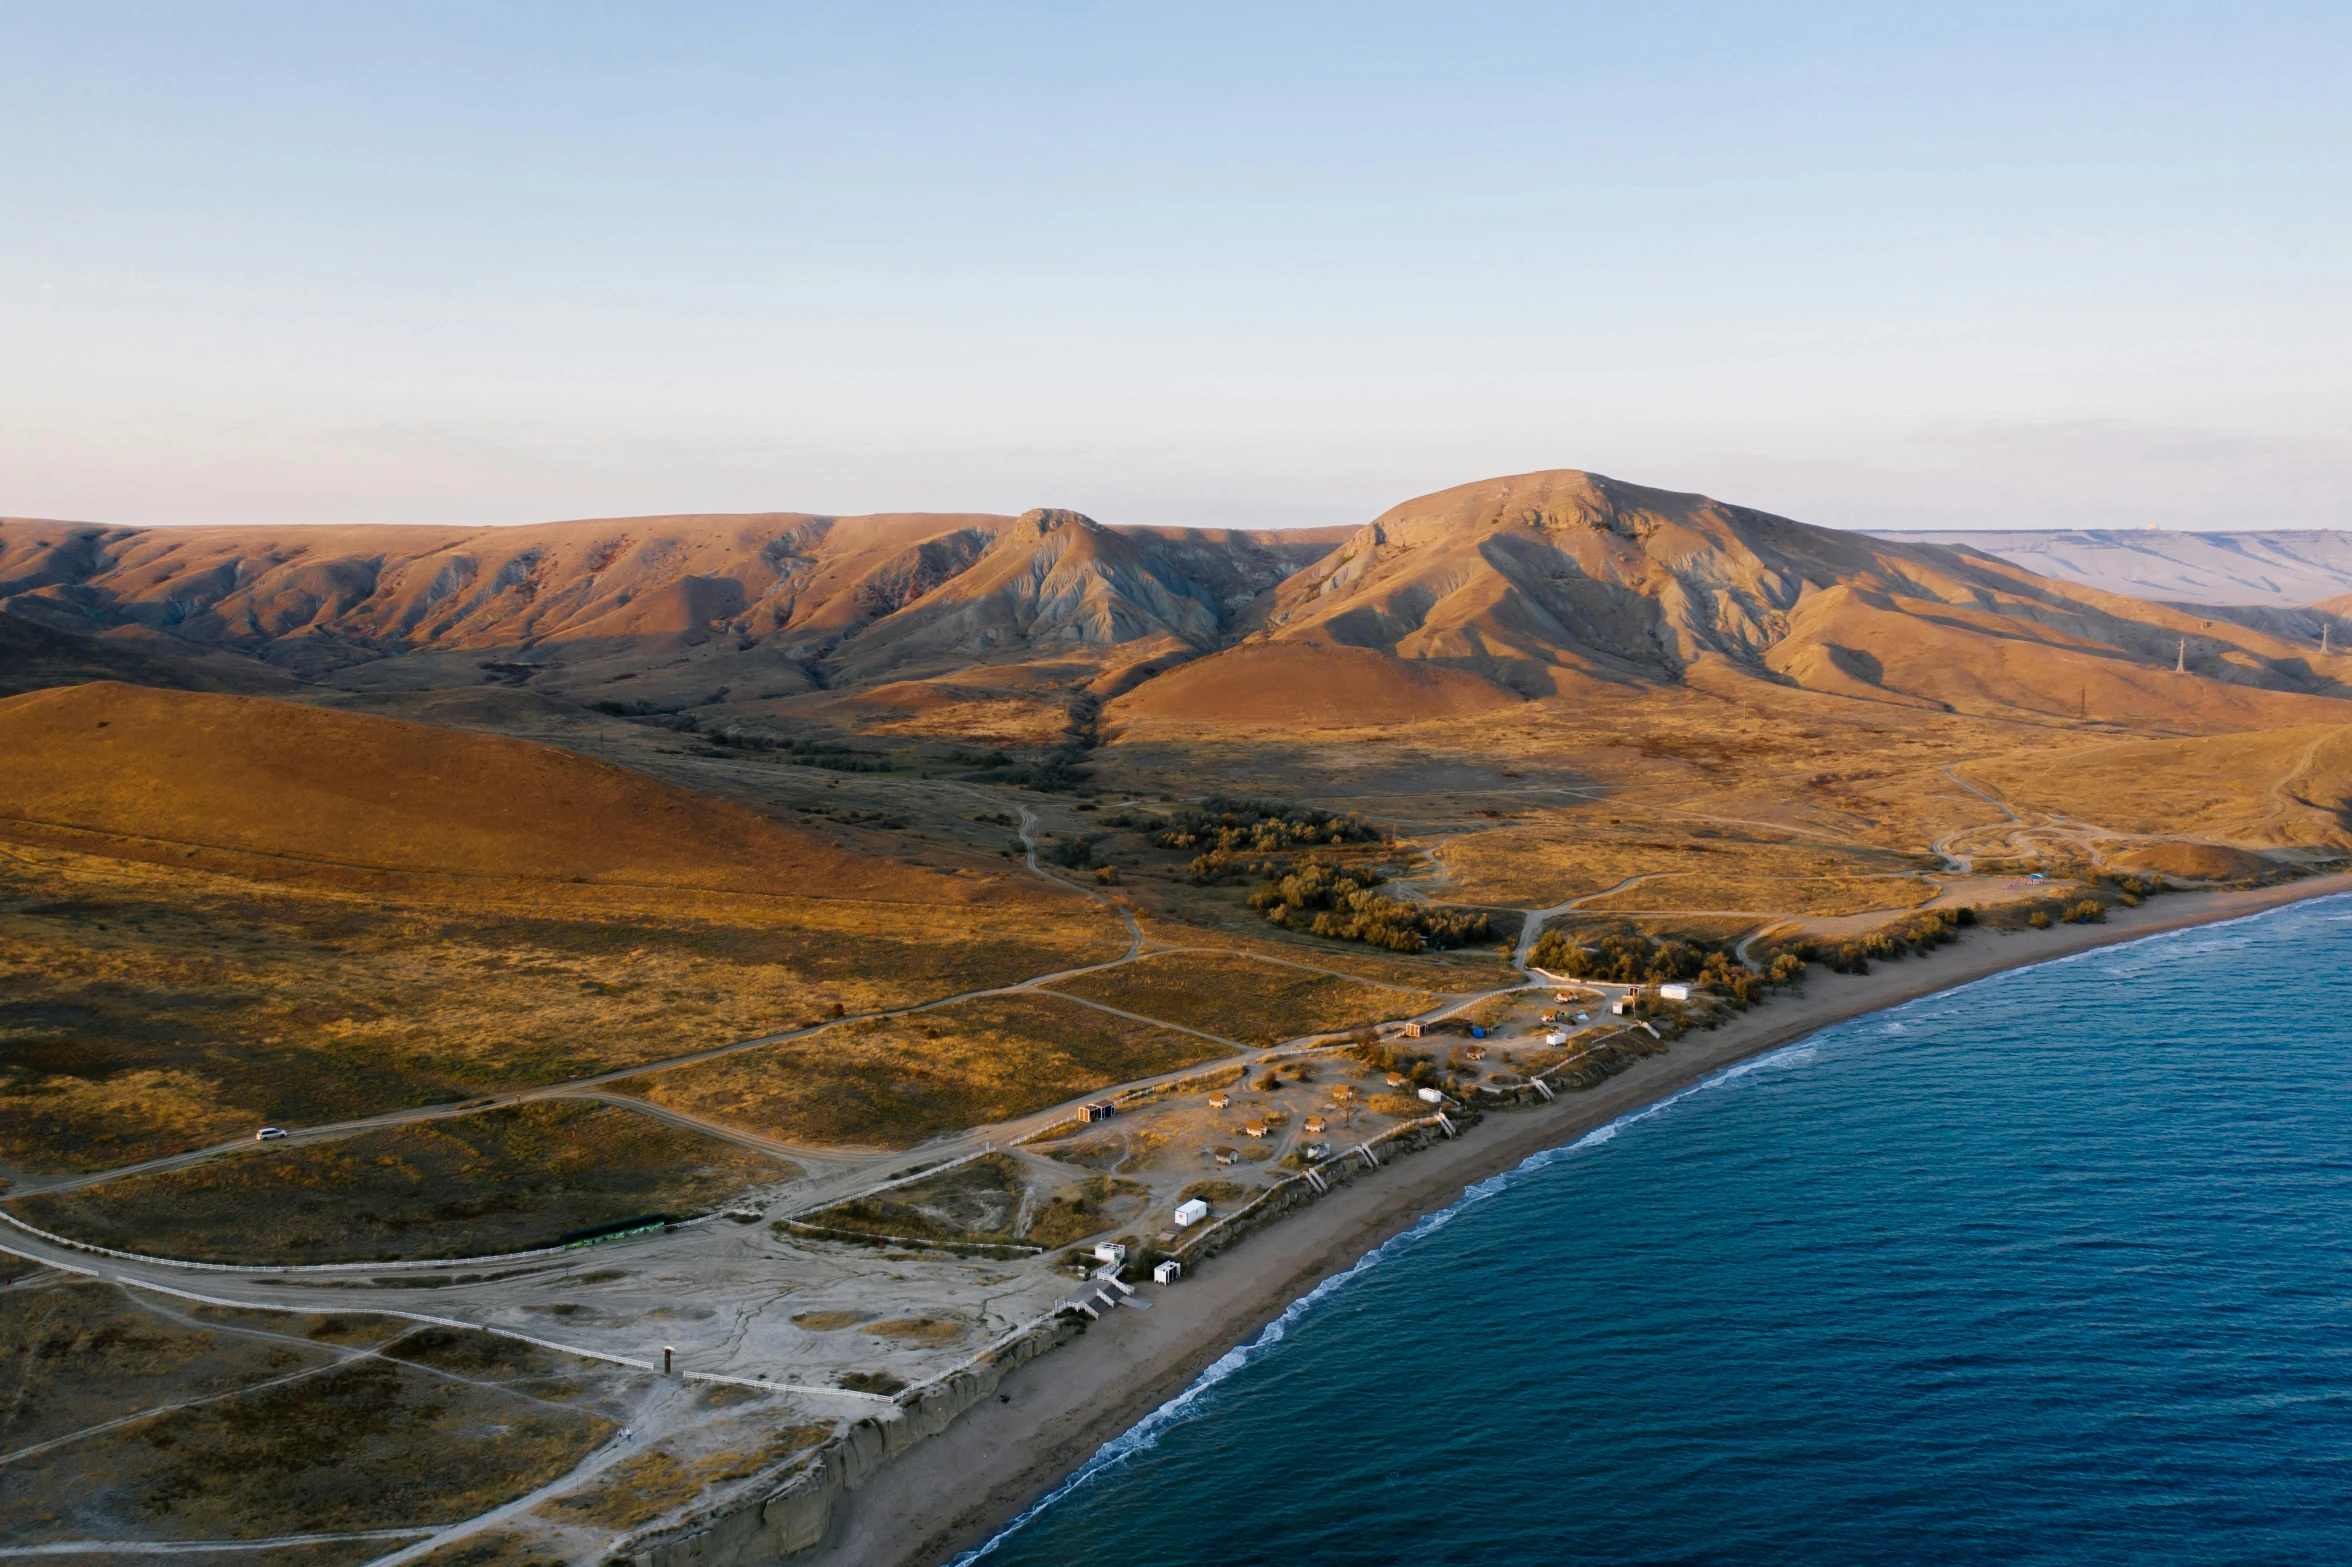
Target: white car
(269, 1132)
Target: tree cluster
(1261, 827)
(1324, 900)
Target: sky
(2047, 265)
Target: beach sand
(952, 1492)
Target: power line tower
(2182, 667)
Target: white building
(1168, 1272)
(1675, 992)
(1111, 1252)
(1191, 1213)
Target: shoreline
(957, 1489)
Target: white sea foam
(1144, 1435)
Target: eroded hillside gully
(712, 984)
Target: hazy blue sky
(1895, 265)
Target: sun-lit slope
(765, 604)
(1056, 582)
(1543, 580)
(2277, 787)
(2001, 660)
(311, 784)
(1283, 683)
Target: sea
(2052, 1268)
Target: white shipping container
(1433, 1096)
(1675, 992)
(1168, 1272)
(1192, 1212)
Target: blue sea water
(2055, 1268)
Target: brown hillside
(660, 609)
(1306, 684)
(1544, 578)
(309, 784)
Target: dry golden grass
(495, 1548)
(917, 1330)
(1217, 917)
(321, 792)
(1703, 892)
(1243, 998)
(149, 1011)
(638, 1490)
(76, 1353)
(1550, 862)
(364, 1444)
(2282, 786)
(502, 1180)
(828, 1321)
(892, 1083)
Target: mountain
(1560, 584)
(773, 603)
(1566, 583)
(2274, 569)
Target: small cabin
(1097, 1110)
(1412, 1031)
(1219, 1101)
(1167, 1272)
(1476, 1052)
(1254, 1129)
(1227, 1156)
(1191, 1213)
(1313, 1123)
(1675, 992)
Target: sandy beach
(953, 1491)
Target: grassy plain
(256, 1431)
(894, 1082)
(147, 1011)
(501, 1180)
(1585, 854)
(1244, 998)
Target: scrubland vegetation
(1241, 998)
(289, 1436)
(893, 1082)
(502, 1180)
(145, 1011)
